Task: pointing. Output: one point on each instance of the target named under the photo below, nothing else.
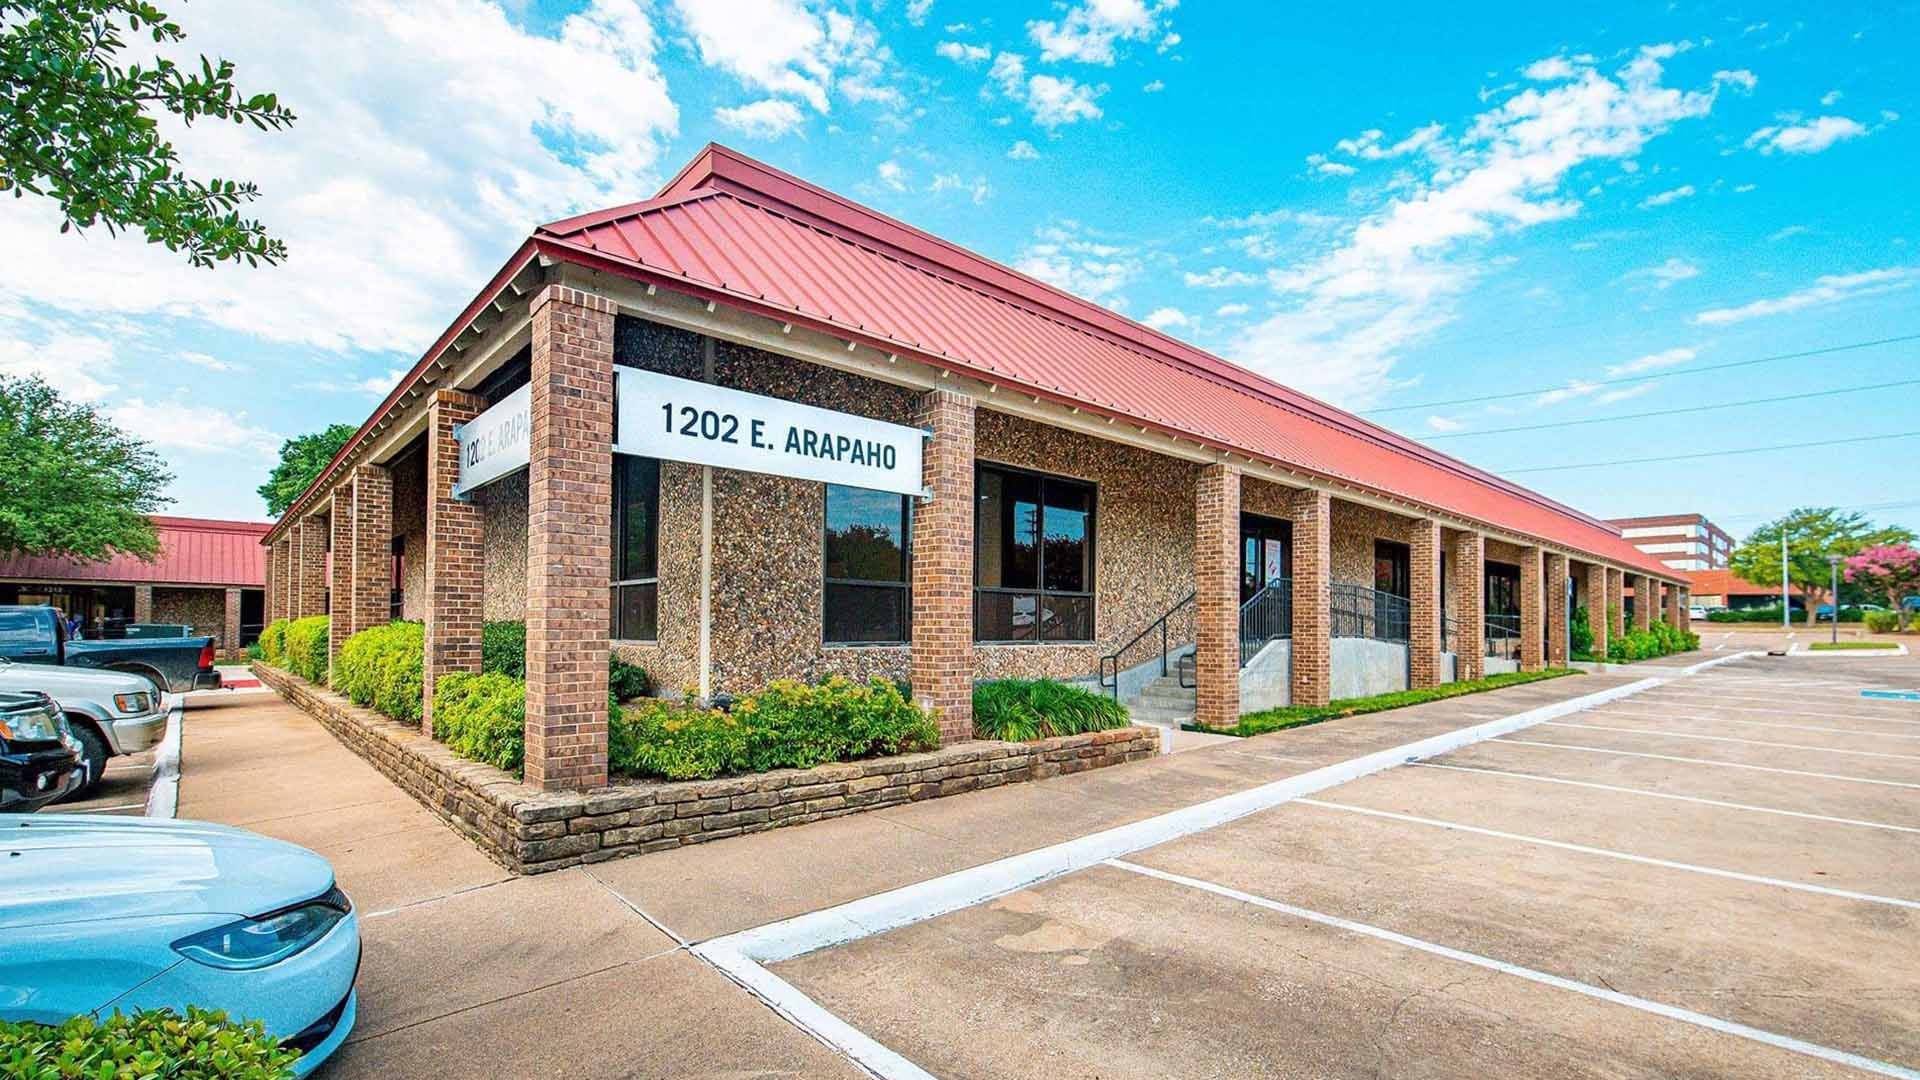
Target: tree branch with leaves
(1813, 533)
(72, 483)
(78, 125)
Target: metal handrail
(1503, 636)
(1359, 612)
(1266, 616)
(1159, 624)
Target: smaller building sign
(496, 442)
(661, 416)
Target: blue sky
(1387, 206)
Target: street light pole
(1833, 561)
(1786, 597)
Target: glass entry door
(1266, 553)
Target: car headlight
(133, 703)
(266, 939)
(38, 725)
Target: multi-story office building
(1682, 541)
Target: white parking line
(1623, 856)
(1779, 709)
(1756, 723)
(1670, 1012)
(1705, 761)
(1731, 739)
(1666, 795)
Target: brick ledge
(530, 831)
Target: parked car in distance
(37, 634)
(39, 761)
(106, 913)
(110, 712)
(1697, 611)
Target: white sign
(496, 442)
(660, 416)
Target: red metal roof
(193, 551)
(1724, 583)
(748, 235)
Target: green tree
(73, 484)
(1813, 533)
(301, 461)
(78, 125)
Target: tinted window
(865, 556)
(636, 513)
(1033, 568)
(20, 628)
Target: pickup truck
(39, 759)
(110, 712)
(37, 634)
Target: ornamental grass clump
(1021, 710)
(380, 667)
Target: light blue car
(106, 913)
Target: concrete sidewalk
(471, 971)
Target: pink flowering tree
(1889, 570)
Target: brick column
(943, 566)
(270, 604)
(143, 603)
(340, 574)
(1616, 604)
(369, 599)
(1470, 584)
(1597, 608)
(1216, 574)
(1644, 600)
(569, 539)
(1312, 516)
(308, 595)
(1532, 612)
(1424, 633)
(285, 573)
(1557, 610)
(456, 536)
(230, 641)
(1676, 615)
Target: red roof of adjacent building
(1724, 583)
(193, 551)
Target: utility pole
(1834, 562)
(1786, 597)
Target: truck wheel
(94, 748)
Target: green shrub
(255, 652)
(482, 717)
(1580, 633)
(1883, 622)
(1020, 710)
(503, 651)
(203, 1045)
(1292, 716)
(380, 667)
(306, 651)
(786, 725)
(627, 681)
(1658, 639)
(1754, 615)
(503, 648)
(273, 643)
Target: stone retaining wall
(530, 832)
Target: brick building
(1682, 541)
(210, 575)
(749, 429)
(1720, 588)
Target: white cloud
(379, 385)
(75, 364)
(180, 425)
(1653, 362)
(1831, 98)
(1684, 191)
(1022, 150)
(1367, 145)
(1056, 101)
(1153, 87)
(1742, 189)
(1809, 137)
(1625, 393)
(1740, 79)
(1221, 277)
(211, 363)
(1228, 311)
(1391, 279)
(962, 53)
(976, 189)
(917, 11)
(1331, 168)
(421, 154)
(1666, 274)
(1826, 289)
(1550, 69)
(1444, 424)
(892, 174)
(1786, 233)
(1162, 318)
(1089, 32)
(1576, 388)
(769, 118)
(1066, 257)
(786, 47)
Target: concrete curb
(163, 798)
(1805, 648)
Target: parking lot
(1715, 876)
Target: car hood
(59, 868)
(61, 681)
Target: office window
(865, 543)
(636, 542)
(1033, 561)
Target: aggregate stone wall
(409, 473)
(203, 609)
(504, 564)
(530, 831)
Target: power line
(1711, 453)
(1753, 515)
(1643, 378)
(1676, 412)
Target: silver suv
(111, 713)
